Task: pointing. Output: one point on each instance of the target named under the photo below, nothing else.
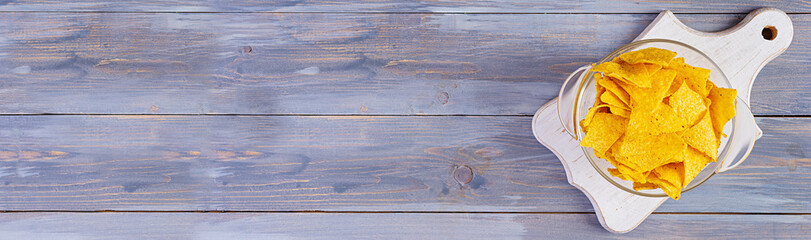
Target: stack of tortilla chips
(658, 120)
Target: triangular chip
(649, 152)
(646, 99)
(669, 189)
(688, 104)
(644, 186)
(672, 173)
(701, 137)
(609, 98)
(722, 109)
(619, 111)
(695, 77)
(677, 60)
(610, 85)
(652, 68)
(590, 116)
(635, 74)
(662, 120)
(694, 162)
(604, 130)
(674, 86)
(649, 55)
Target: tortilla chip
(695, 77)
(610, 85)
(646, 99)
(652, 55)
(619, 111)
(688, 104)
(694, 162)
(674, 86)
(722, 109)
(677, 60)
(644, 186)
(701, 137)
(635, 74)
(590, 116)
(662, 120)
(672, 173)
(652, 68)
(709, 86)
(604, 130)
(649, 152)
(669, 189)
(611, 99)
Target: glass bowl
(579, 92)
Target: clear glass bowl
(579, 92)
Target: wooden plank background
(388, 226)
(403, 64)
(352, 163)
(317, 119)
(394, 6)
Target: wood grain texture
(284, 63)
(476, 6)
(358, 163)
(389, 226)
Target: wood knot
(443, 97)
(246, 49)
(463, 174)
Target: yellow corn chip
(652, 55)
(604, 130)
(646, 99)
(722, 109)
(600, 91)
(677, 60)
(688, 104)
(652, 68)
(662, 120)
(610, 84)
(677, 83)
(672, 173)
(590, 115)
(669, 189)
(649, 152)
(644, 186)
(619, 111)
(694, 162)
(636, 177)
(701, 137)
(635, 74)
(695, 77)
(611, 99)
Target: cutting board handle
(740, 51)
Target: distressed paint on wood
(354, 163)
(500, 6)
(389, 226)
(284, 63)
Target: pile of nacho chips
(658, 120)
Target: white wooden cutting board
(740, 52)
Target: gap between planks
(320, 115)
(385, 212)
(382, 13)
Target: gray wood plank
(390, 226)
(474, 6)
(492, 64)
(353, 163)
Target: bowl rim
(589, 77)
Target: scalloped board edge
(740, 51)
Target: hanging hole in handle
(769, 33)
